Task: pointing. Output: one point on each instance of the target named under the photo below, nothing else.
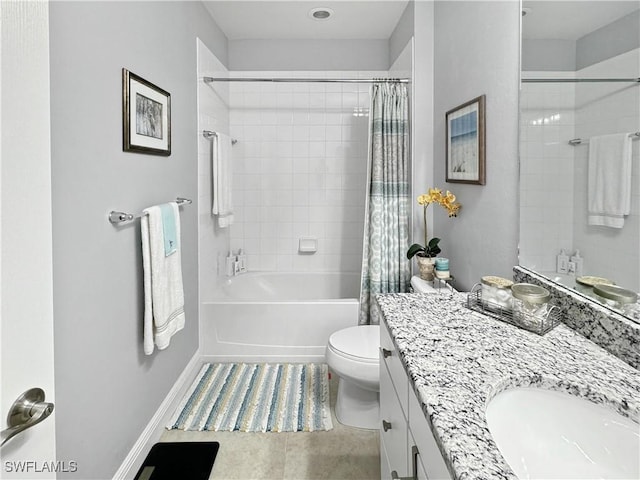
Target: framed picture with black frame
(465, 152)
(146, 116)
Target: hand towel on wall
(609, 191)
(222, 179)
(163, 291)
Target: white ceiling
(281, 20)
(376, 19)
(570, 20)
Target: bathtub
(276, 316)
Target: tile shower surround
(613, 332)
(299, 170)
(547, 122)
(554, 174)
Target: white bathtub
(269, 316)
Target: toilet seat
(357, 343)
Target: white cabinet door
(429, 456)
(389, 357)
(393, 429)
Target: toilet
(353, 354)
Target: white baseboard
(156, 426)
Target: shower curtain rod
(579, 80)
(307, 80)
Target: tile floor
(343, 453)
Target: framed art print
(146, 116)
(465, 152)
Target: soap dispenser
(578, 262)
(562, 265)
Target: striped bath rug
(250, 397)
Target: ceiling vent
(320, 13)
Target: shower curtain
(385, 268)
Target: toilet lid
(362, 341)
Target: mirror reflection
(580, 146)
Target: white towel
(222, 179)
(163, 292)
(609, 194)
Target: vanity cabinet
(407, 447)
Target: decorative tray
(533, 322)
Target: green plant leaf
(433, 243)
(413, 249)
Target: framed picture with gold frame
(146, 116)
(465, 152)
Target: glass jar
(615, 297)
(530, 306)
(496, 292)
(585, 283)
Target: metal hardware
(394, 476)
(386, 353)
(308, 80)
(414, 454)
(580, 141)
(117, 218)
(28, 410)
(386, 426)
(208, 134)
(580, 80)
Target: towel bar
(117, 218)
(579, 141)
(208, 134)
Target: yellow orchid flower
(447, 201)
(424, 200)
(450, 197)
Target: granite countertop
(457, 360)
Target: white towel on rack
(222, 179)
(609, 192)
(163, 291)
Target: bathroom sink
(548, 434)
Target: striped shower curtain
(385, 268)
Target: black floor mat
(179, 460)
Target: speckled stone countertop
(458, 360)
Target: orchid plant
(448, 202)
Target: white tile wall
(601, 109)
(553, 212)
(213, 114)
(546, 170)
(299, 170)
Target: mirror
(565, 46)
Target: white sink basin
(547, 434)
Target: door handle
(28, 410)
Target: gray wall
(476, 52)
(317, 55)
(422, 128)
(618, 37)
(403, 32)
(107, 389)
(548, 55)
(613, 39)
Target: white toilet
(352, 353)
